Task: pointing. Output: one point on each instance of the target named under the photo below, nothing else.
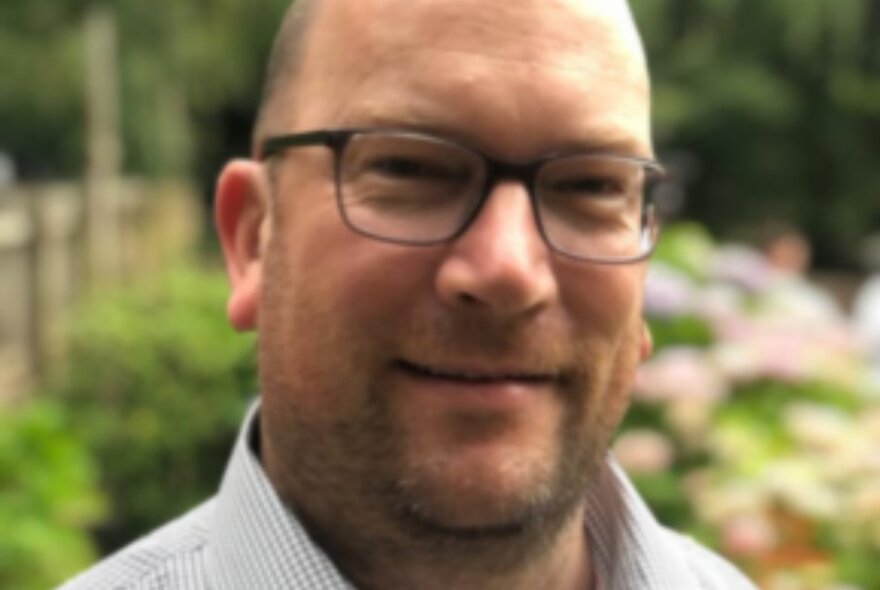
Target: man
(440, 242)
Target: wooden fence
(44, 265)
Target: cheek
(343, 271)
(339, 297)
(604, 306)
(363, 284)
(604, 303)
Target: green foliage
(770, 111)
(40, 98)
(685, 247)
(48, 495)
(764, 110)
(158, 384)
(182, 66)
(765, 400)
(680, 330)
(860, 564)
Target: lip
(494, 389)
(475, 375)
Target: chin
(474, 492)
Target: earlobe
(241, 216)
(647, 344)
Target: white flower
(798, 484)
(818, 427)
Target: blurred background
(755, 426)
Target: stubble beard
(348, 476)
(364, 499)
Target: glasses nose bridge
(525, 174)
(497, 171)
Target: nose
(500, 264)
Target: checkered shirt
(245, 539)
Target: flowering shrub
(755, 426)
(155, 387)
(48, 497)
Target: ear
(647, 344)
(241, 214)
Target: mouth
(477, 376)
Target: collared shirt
(244, 539)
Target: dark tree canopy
(764, 110)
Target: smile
(475, 375)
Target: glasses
(419, 189)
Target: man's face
(472, 385)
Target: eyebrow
(604, 142)
(594, 141)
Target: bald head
(284, 63)
(520, 31)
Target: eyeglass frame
(526, 173)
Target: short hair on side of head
(283, 65)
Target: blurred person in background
(789, 254)
(787, 249)
(440, 240)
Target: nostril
(468, 299)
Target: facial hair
(346, 471)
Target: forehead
(511, 29)
(525, 74)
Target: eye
(408, 168)
(398, 167)
(593, 186)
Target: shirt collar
(254, 537)
(630, 549)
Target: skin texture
(283, 67)
(410, 481)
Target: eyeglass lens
(417, 189)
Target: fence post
(17, 344)
(104, 147)
(56, 218)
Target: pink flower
(748, 536)
(680, 373)
(643, 451)
(742, 266)
(668, 292)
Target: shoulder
(711, 570)
(172, 557)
